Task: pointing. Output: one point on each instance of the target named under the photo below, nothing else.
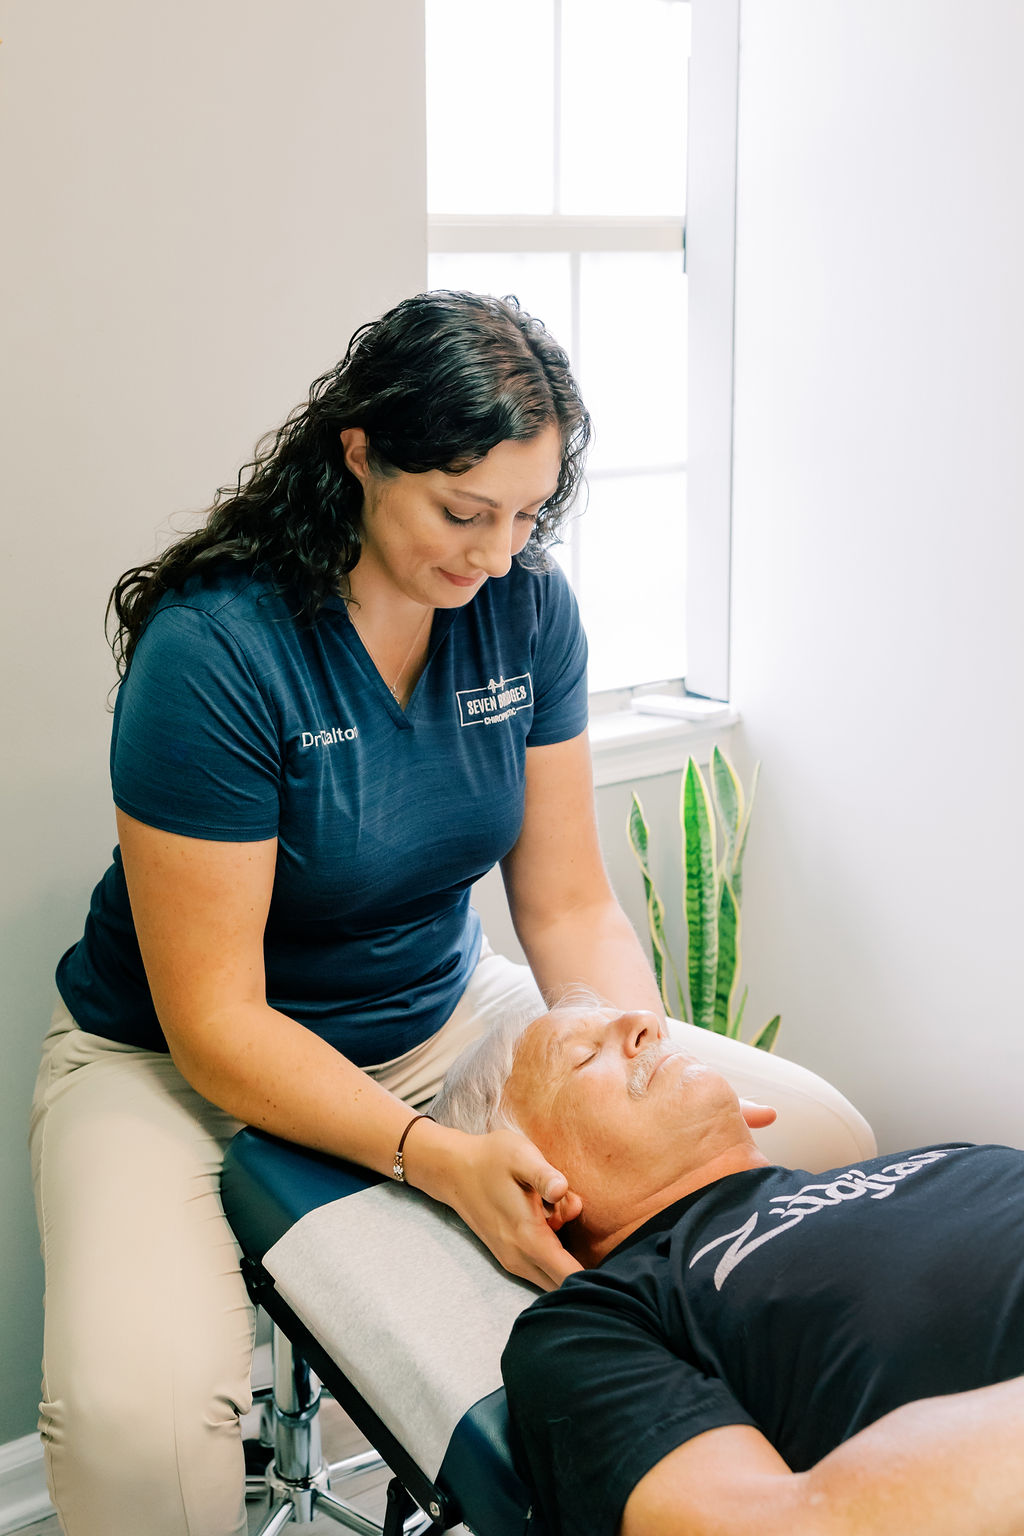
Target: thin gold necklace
(393, 687)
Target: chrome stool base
(297, 1479)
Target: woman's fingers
(516, 1202)
(541, 1257)
(554, 1263)
(533, 1170)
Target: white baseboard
(23, 1495)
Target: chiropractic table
(402, 1313)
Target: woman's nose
(640, 1029)
(492, 551)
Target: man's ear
(757, 1116)
(354, 445)
(563, 1211)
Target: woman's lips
(460, 581)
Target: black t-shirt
(805, 1305)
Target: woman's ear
(354, 446)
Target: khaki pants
(148, 1335)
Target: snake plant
(715, 827)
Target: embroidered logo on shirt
(496, 702)
(329, 737)
(792, 1209)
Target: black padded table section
(271, 1186)
(268, 1185)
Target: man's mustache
(645, 1064)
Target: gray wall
(200, 203)
(878, 548)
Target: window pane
(539, 280)
(629, 548)
(632, 363)
(624, 69)
(490, 107)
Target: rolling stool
(296, 1477)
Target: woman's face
(436, 537)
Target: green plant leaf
(711, 897)
(637, 832)
(738, 1020)
(741, 845)
(700, 896)
(728, 959)
(765, 1041)
(727, 792)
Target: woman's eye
(463, 522)
(528, 517)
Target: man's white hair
(470, 1098)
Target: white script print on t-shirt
(791, 1210)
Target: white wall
(878, 615)
(659, 797)
(200, 203)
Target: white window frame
(711, 267)
(629, 743)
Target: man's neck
(590, 1246)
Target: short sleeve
(195, 747)
(560, 676)
(598, 1397)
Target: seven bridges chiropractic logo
(496, 702)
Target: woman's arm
(200, 909)
(566, 916)
(945, 1466)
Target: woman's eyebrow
(488, 502)
(471, 496)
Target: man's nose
(492, 550)
(639, 1030)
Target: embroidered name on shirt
(793, 1209)
(496, 702)
(329, 737)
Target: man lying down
(749, 1348)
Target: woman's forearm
(271, 1072)
(593, 946)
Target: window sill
(627, 746)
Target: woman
(344, 698)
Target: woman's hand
(511, 1197)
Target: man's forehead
(550, 1035)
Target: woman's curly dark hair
(435, 383)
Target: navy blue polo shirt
(237, 723)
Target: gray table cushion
(408, 1302)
